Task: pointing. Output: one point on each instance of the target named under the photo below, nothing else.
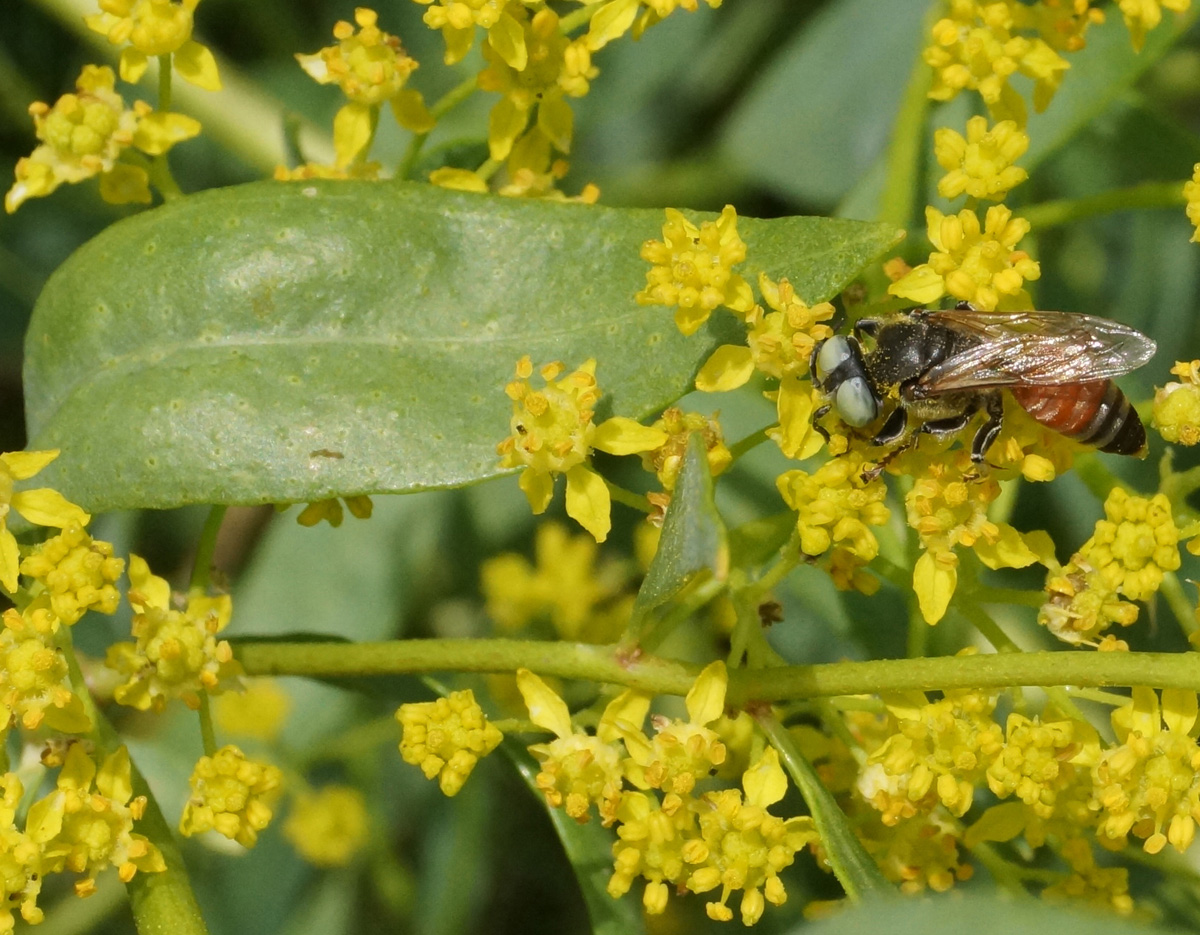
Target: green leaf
(589, 850)
(977, 913)
(852, 865)
(693, 547)
(288, 342)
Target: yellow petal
(538, 487)
(508, 40)
(408, 107)
(729, 367)
(1008, 551)
(1179, 709)
(630, 708)
(133, 65)
(44, 820)
(557, 121)
(765, 782)
(622, 436)
(588, 502)
(71, 718)
(546, 708)
(22, 465)
(999, 823)
(934, 578)
(154, 589)
(706, 700)
(689, 320)
(351, 132)
(796, 436)
(196, 65)
(125, 185)
(505, 123)
(462, 180)
(10, 560)
(46, 507)
(158, 132)
(114, 778)
(1143, 716)
(610, 22)
(921, 284)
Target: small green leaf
(693, 546)
(852, 865)
(589, 850)
(289, 342)
(753, 543)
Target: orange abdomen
(1095, 413)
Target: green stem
(202, 566)
(161, 902)
(628, 497)
(661, 676)
(164, 83)
(208, 736)
(851, 864)
(576, 18)
(446, 103)
(989, 595)
(1065, 211)
(750, 442)
(1181, 607)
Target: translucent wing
(1034, 349)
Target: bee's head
(839, 372)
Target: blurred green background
(776, 106)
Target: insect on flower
(947, 365)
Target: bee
(948, 365)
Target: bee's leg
(893, 429)
(816, 418)
(866, 326)
(940, 428)
(990, 429)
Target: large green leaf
(288, 342)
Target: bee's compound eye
(833, 352)
(856, 403)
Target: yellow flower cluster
(666, 460)
(176, 653)
(553, 433)
(673, 838)
(328, 827)
(85, 824)
(836, 506)
(447, 737)
(232, 795)
(370, 67)
(154, 28)
(981, 165)
(34, 684)
(1126, 556)
(1177, 405)
(583, 601)
(614, 18)
(78, 573)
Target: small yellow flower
(83, 135)
(328, 827)
(366, 171)
(937, 753)
(21, 865)
(1149, 785)
(531, 169)
(565, 584)
(918, 853)
(77, 572)
(447, 737)
(259, 710)
(1040, 760)
(693, 269)
(231, 795)
(836, 507)
(153, 28)
(553, 433)
(554, 68)
(1134, 544)
(681, 752)
(1143, 15)
(86, 823)
(1191, 191)
(979, 46)
(176, 653)
(34, 687)
(666, 460)
(651, 837)
(1177, 405)
(42, 507)
(981, 165)
(457, 20)
(371, 67)
(616, 17)
(578, 769)
(1104, 887)
(973, 264)
(1081, 603)
(331, 511)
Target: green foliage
(290, 342)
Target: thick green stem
(1067, 210)
(1083, 669)
(750, 442)
(164, 83)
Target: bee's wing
(1035, 349)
